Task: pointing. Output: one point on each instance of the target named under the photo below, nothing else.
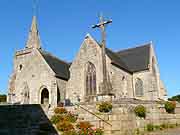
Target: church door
(45, 97)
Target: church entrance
(45, 97)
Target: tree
(175, 98)
(3, 98)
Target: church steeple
(33, 37)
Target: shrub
(3, 98)
(56, 118)
(64, 126)
(140, 111)
(157, 127)
(86, 132)
(60, 110)
(70, 117)
(170, 106)
(175, 98)
(150, 127)
(98, 131)
(84, 125)
(164, 126)
(71, 132)
(105, 107)
(85, 128)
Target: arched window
(90, 79)
(139, 88)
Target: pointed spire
(33, 38)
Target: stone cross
(105, 86)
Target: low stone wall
(123, 119)
(25, 120)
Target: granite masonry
(40, 78)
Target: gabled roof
(136, 59)
(130, 60)
(116, 60)
(61, 68)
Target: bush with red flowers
(65, 122)
(64, 126)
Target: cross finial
(101, 25)
(102, 22)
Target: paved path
(175, 131)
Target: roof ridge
(138, 46)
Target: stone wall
(121, 82)
(25, 120)
(34, 75)
(61, 84)
(89, 52)
(123, 119)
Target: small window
(20, 67)
(139, 87)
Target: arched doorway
(45, 96)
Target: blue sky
(64, 23)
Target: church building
(39, 77)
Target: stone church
(41, 78)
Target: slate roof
(130, 60)
(61, 68)
(136, 59)
(116, 60)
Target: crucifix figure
(105, 86)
